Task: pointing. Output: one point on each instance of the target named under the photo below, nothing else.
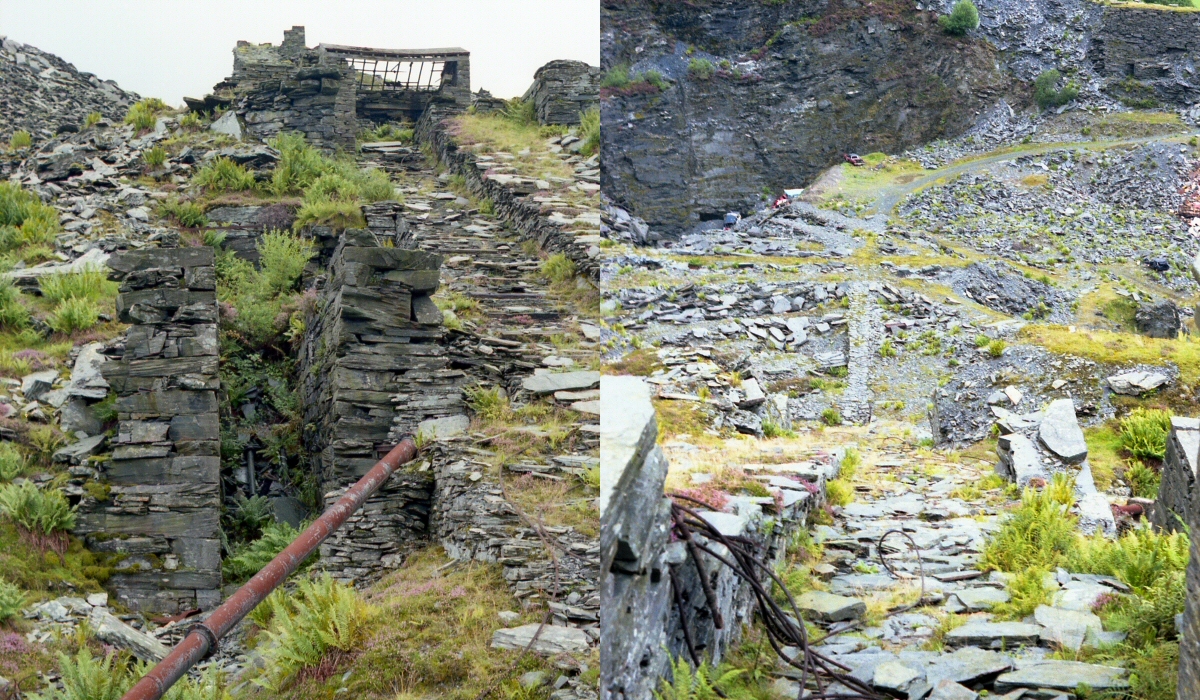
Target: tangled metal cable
(783, 628)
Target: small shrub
(654, 78)
(981, 341)
(887, 349)
(249, 559)
(12, 599)
(336, 215)
(1039, 534)
(35, 222)
(43, 517)
(299, 164)
(86, 678)
(771, 429)
(144, 114)
(488, 404)
(1139, 557)
(223, 175)
(20, 139)
(1149, 616)
(616, 77)
(186, 214)
(1047, 93)
(191, 122)
(155, 157)
(92, 119)
(520, 111)
(45, 441)
(1143, 481)
(839, 492)
(703, 69)
(322, 618)
(558, 268)
(1026, 592)
(283, 257)
(12, 461)
(589, 131)
(996, 347)
(91, 284)
(250, 515)
(703, 683)
(962, 19)
(831, 416)
(1144, 433)
(14, 315)
(73, 315)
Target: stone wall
(577, 239)
(1157, 49)
(562, 90)
(292, 88)
(160, 518)
(372, 362)
(1189, 637)
(642, 623)
(1177, 492)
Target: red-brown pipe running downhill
(204, 635)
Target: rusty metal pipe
(204, 635)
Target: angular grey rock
(1063, 675)
(288, 510)
(627, 430)
(108, 629)
(78, 452)
(829, 607)
(550, 382)
(895, 676)
(967, 665)
(949, 690)
(76, 415)
(86, 380)
(1066, 628)
(552, 640)
(1019, 461)
(1136, 383)
(228, 124)
(976, 599)
(425, 311)
(994, 634)
(35, 385)
(1158, 320)
(753, 394)
(442, 428)
(1060, 432)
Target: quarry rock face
(563, 90)
(774, 120)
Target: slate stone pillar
(161, 516)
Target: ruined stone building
(330, 92)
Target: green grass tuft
(90, 284)
(1144, 433)
(74, 314)
(224, 175)
(20, 139)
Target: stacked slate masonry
(160, 519)
(372, 363)
(510, 197)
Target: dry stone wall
(160, 518)
(577, 236)
(1177, 492)
(372, 362)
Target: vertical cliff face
(793, 87)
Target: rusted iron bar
(204, 636)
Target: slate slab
(829, 607)
(1063, 675)
(1060, 432)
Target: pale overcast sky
(169, 49)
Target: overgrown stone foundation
(162, 510)
(372, 362)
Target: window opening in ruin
(387, 75)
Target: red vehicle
(854, 159)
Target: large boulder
(1158, 320)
